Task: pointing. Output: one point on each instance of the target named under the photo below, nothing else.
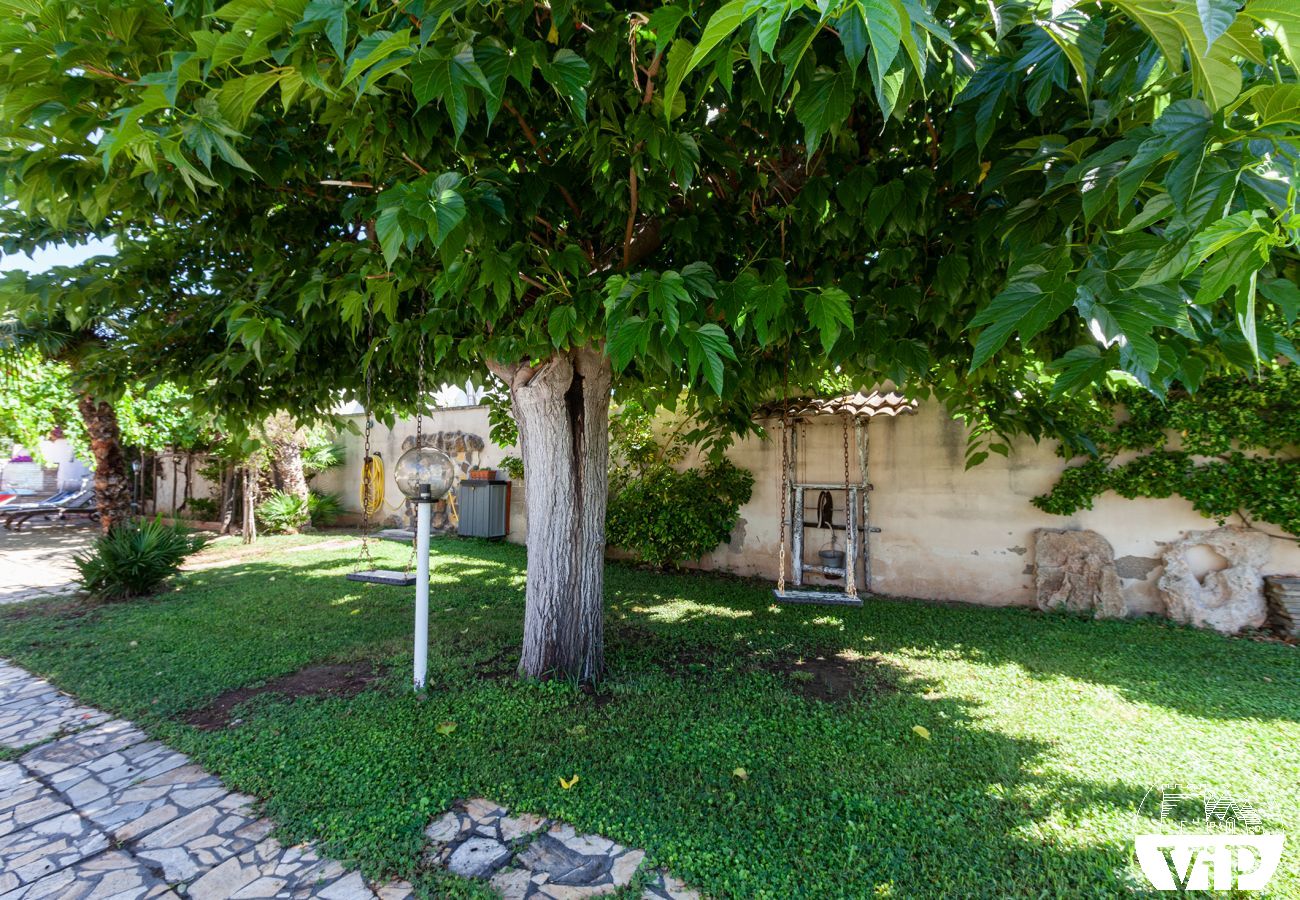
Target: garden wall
(946, 533)
(951, 534)
(454, 423)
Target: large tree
(997, 203)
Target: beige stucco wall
(951, 534)
(945, 533)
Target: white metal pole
(424, 510)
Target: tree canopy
(958, 195)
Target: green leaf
(1022, 307)
(824, 102)
(561, 323)
(334, 13)
(238, 98)
(1216, 17)
(494, 63)
(1080, 367)
(706, 346)
(375, 48)
(852, 27)
(627, 339)
(1282, 19)
(885, 30)
(1283, 294)
(722, 25)
(569, 74)
(829, 312)
(390, 234)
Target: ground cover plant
(1045, 732)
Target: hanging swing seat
(383, 576)
(833, 598)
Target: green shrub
(664, 517)
(324, 508)
(135, 558)
(282, 513)
(204, 509)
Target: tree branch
(633, 197)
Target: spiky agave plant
(133, 559)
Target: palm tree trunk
(112, 487)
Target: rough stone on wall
(1075, 571)
(1227, 600)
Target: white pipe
(424, 511)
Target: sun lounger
(78, 503)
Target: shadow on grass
(1150, 661)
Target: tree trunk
(286, 466)
(248, 531)
(562, 408)
(112, 486)
(227, 497)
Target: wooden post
(796, 536)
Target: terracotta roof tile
(876, 403)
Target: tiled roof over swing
(876, 403)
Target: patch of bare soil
(329, 680)
(73, 607)
(836, 678)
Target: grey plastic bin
(482, 505)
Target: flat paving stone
(44, 715)
(112, 874)
(26, 804)
(528, 857)
(204, 838)
(38, 850)
(83, 747)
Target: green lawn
(1046, 732)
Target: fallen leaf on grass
(445, 727)
(740, 773)
(569, 783)
(921, 731)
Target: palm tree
(84, 347)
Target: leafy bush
(664, 516)
(282, 513)
(512, 466)
(324, 508)
(205, 509)
(135, 558)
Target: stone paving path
(38, 563)
(94, 809)
(99, 810)
(531, 858)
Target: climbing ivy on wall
(1230, 448)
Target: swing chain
(850, 540)
(419, 408)
(366, 489)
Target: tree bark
(562, 408)
(284, 452)
(112, 486)
(227, 498)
